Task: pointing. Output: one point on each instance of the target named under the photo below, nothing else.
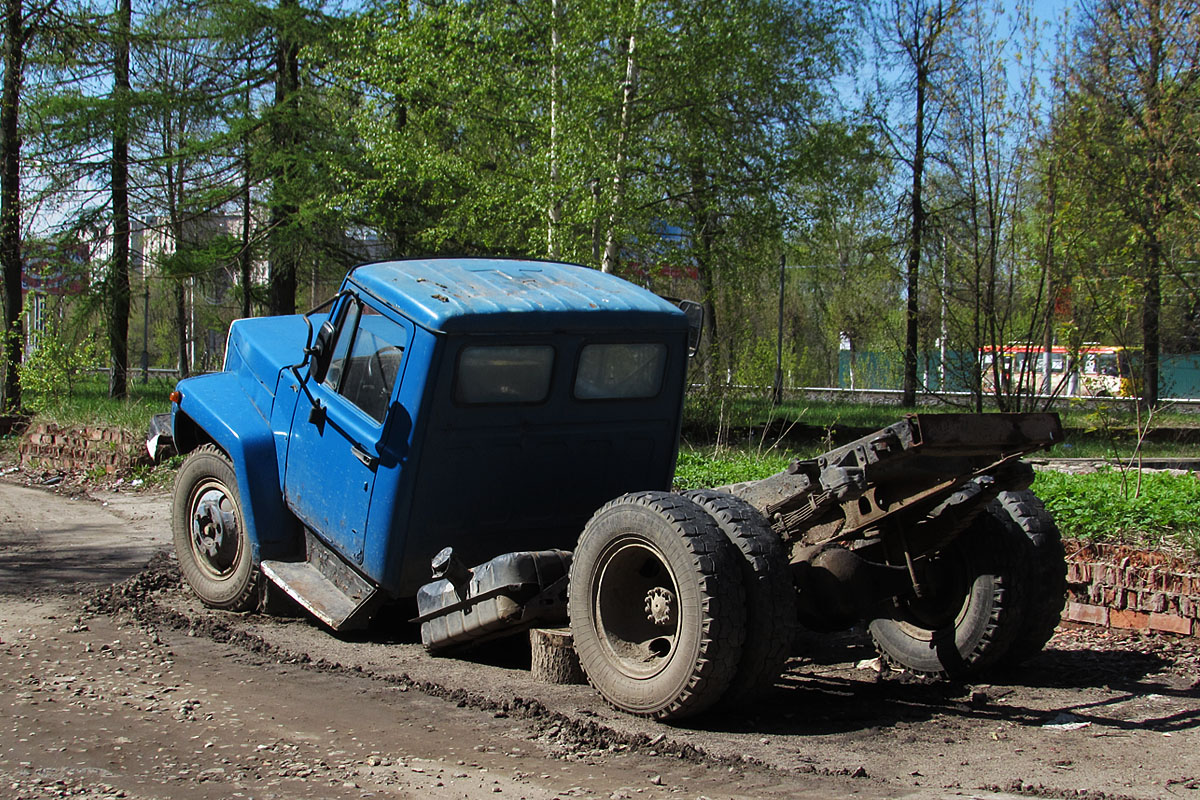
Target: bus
(1093, 370)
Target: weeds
(1096, 507)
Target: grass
(88, 404)
(701, 468)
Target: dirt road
(115, 683)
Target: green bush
(1101, 507)
(52, 371)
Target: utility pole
(145, 328)
(777, 394)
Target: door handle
(369, 461)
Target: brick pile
(1123, 587)
(48, 446)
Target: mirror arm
(309, 350)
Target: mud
(101, 642)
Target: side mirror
(321, 351)
(695, 318)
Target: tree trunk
(703, 243)
(1151, 313)
(609, 262)
(554, 212)
(917, 229)
(10, 204)
(118, 321)
(245, 257)
(285, 137)
(553, 658)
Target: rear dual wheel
(657, 606)
(770, 593)
(992, 598)
(1036, 538)
(968, 614)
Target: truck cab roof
(482, 295)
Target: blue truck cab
(486, 405)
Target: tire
(1044, 583)
(973, 613)
(215, 554)
(656, 606)
(770, 593)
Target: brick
(1170, 623)
(1082, 612)
(1131, 620)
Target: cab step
(326, 586)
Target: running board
(326, 586)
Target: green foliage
(755, 362)
(51, 372)
(1096, 507)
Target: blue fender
(215, 408)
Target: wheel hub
(637, 608)
(215, 531)
(209, 528)
(660, 606)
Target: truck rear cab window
(620, 371)
(503, 374)
(366, 359)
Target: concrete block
(1171, 623)
(1130, 620)
(1091, 614)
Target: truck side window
(366, 360)
(620, 371)
(504, 374)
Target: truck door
(334, 453)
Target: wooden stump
(554, 659)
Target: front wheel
(211, 541)
(656, 606)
